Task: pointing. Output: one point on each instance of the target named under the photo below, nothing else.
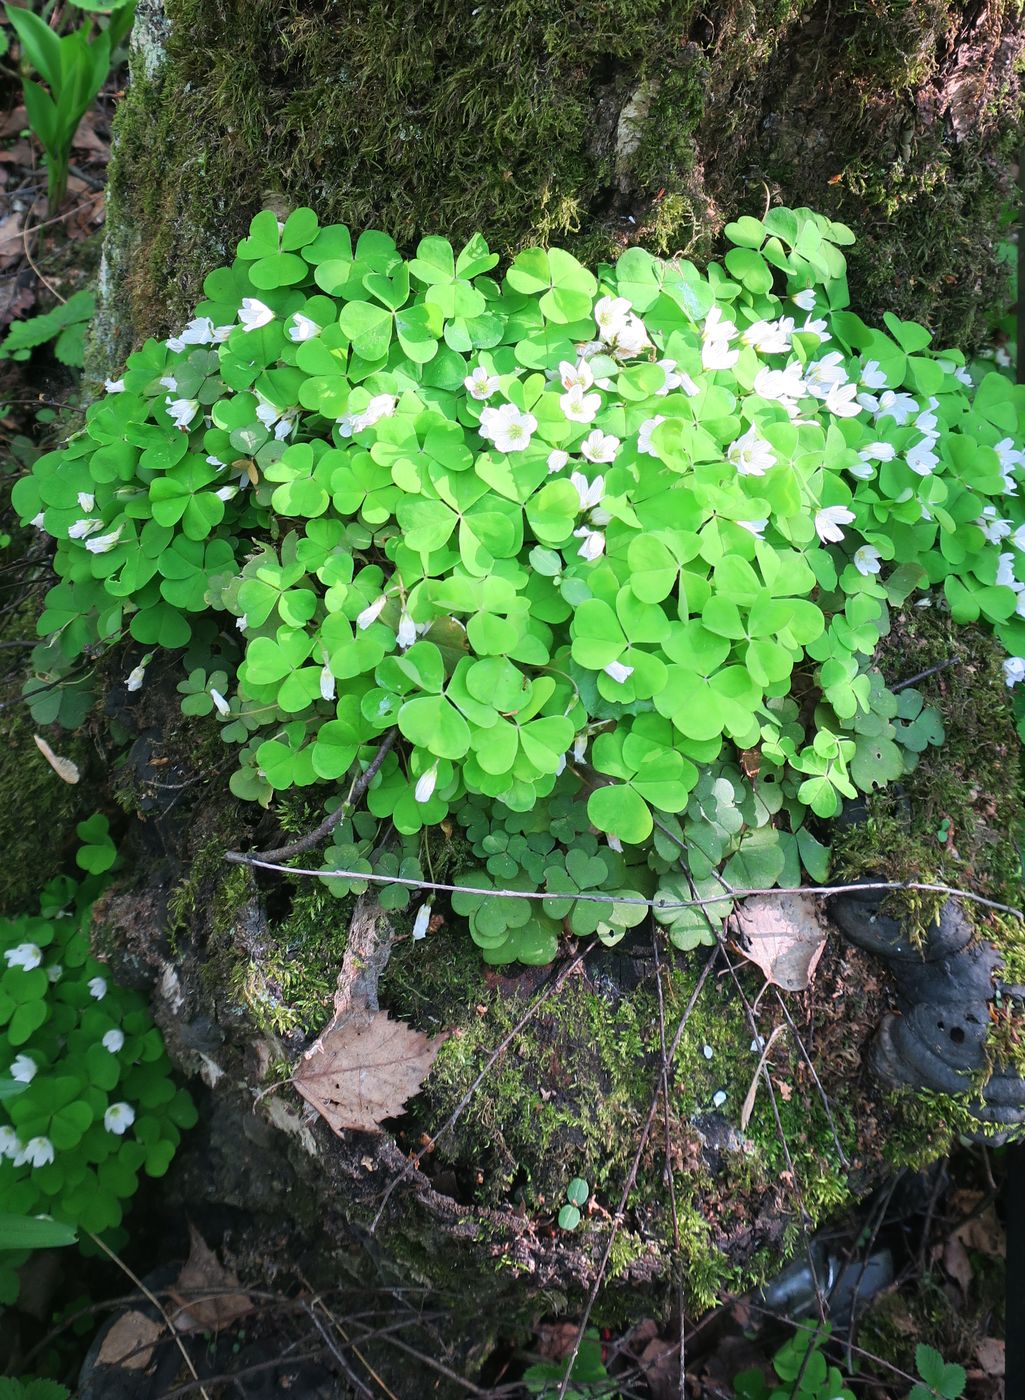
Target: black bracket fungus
(946, 982)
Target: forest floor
(920, 1262)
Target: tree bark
(593, 124)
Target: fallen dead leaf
(990, 1354)
(784, 935)
(10, 239)
(63, 767)
(660, 1362)
(957, 1263)
(130, 1342)
(364, 1069)
(203, 1291)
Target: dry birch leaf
(203, 1291)
(130, 1342)
(363, 1071)
(63, 767)
(784, 934)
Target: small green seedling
(576, 1195)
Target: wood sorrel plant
(574, 534)
(87, 1101)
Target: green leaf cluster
(73, 1045)
(614, 627)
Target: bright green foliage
(611, 551)
(803, 1370)
(31, 1388)
(588, 1377)
(73, 68)
(577, 1193)
(65, 325)
(86, 1096)
(942, 1380)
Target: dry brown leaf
(957, 1263)
(990, 1354)
(63, 767)
(130, 1342)
(11, 250)
(363, 1070)
(203, 1291)
(784, 934)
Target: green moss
(594, 124)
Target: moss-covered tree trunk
(595, 124)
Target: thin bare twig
(818, 1083)
(413, 1162)
(669, 1176)
(631, 1178)
(152, 1298)
(265, 859)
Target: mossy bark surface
(593, 125)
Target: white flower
(199, 331)
(804, 299)
(614, 844)
(1014, 670)
(1002, 357)
(576, 376)
(169, 382)
(406, 634)
(599, 447)
(996, 529)
(38, 1152)
(26, 955)
(1018, 538)
(579, 407)
(593, 543)
(926, 420)
(118, 1118)
(23, 1069)
(182, 411)
(768, 337)
(878, 452)
(98, 987)
(220, 704)
(426, 783)
(327, 683)
(136, 677)
(963, 377)
(86, 500)
(113, 1040)
(371, 613)
(644, 433)
(707, 1051)
(899, 407)
(303, 328)
(610, 315)
(618, 672)
(675, 381)
(421, 922)
(751, 454)
(754, 527)
(508, 427)
(1005, 572)
(114, 386)
(920, 458)
(175, 343)
(866, 560)
(480, 384)
(822, 375)
(863, 470)
(81, 528)
(580, 747)
(841, 401)
(268, 414)
(872, 376)
(588, 492)
(557, 459)
(758, 1044)
(227, 493)
(630, 338)
(716, 354)
(242, 622)
(818, 328)
(253, 314)
(719, 1098)
(38, 522)
(9, 1144)
(828, 522)
(779, 384)
(55, 972)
